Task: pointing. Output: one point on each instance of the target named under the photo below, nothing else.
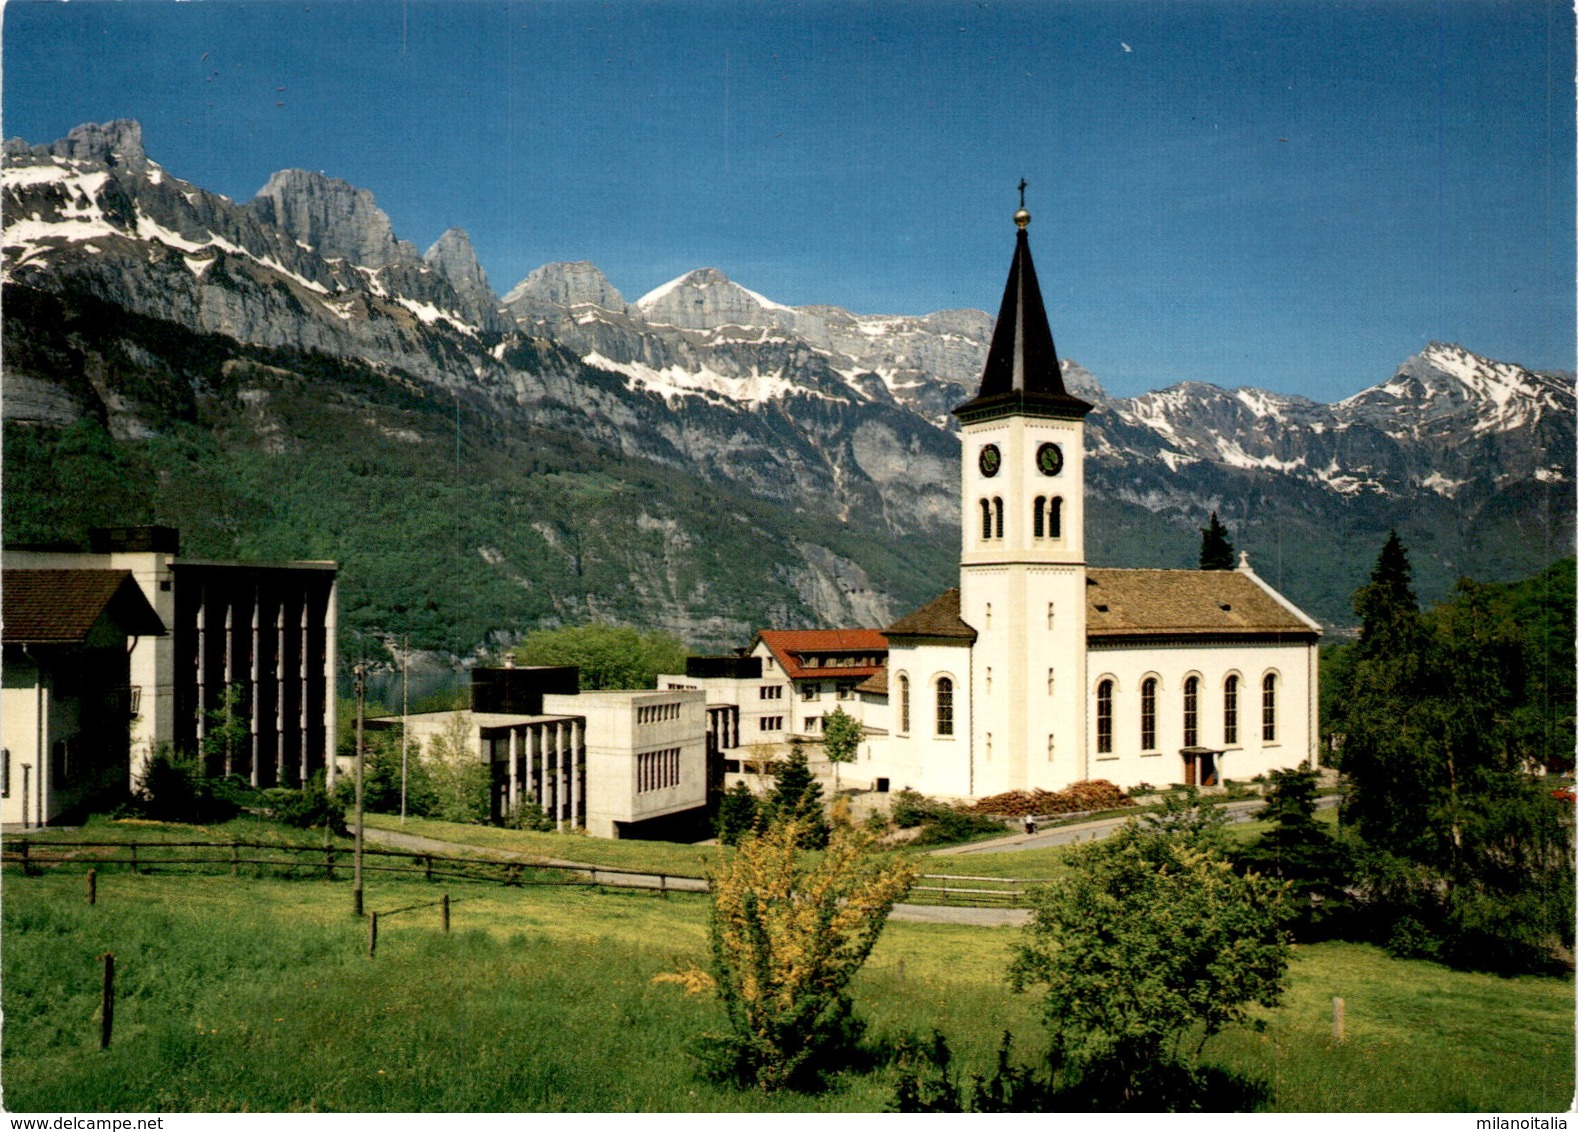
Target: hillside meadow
(256, 993)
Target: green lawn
(257, 994)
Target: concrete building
(260, 635)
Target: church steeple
(1022, 375)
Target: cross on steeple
(1022, 184)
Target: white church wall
(1130, 763)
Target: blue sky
(1290, 195)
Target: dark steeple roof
(1022, 375)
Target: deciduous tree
(841, 736)
(609, 656)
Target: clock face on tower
(1049, 458)
(991, 460)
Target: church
(1038, 670)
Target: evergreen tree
(1299, 850)
(797, 797)
(1467, 856)
(1216, 550)
(737, 813)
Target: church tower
(1022, 568)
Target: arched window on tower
(1104, 718)
(1055, 518)
(1148, 714)
(904, 704)
(944, 706)
(1191, 720)
(1041, 518)
(1268, 708)
(986, 519)
(1230, 711)
(997, 506)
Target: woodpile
(1081, 797)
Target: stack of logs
(1081, 797)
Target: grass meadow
(256, 993)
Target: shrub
(528, 815)
(787, 936)
(312, 807)
(172, 788)
(1150, 939)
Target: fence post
(444, 905)
(427, 866)
(372, 934)
(107, 1009)
(27, 869)
(328, 863)
(135, 869)
(235, 857)
(1337, 1005)
(662, 882)
(93, 886)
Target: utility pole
(361, 704)
(405, 710)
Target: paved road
(1240, 811)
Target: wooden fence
(293, 860)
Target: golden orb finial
(1021, 219)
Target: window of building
(813, 724)
(1040, 516)
(944, 706)
(997, 509)
(811, 691)
(1055, 519)
(1148, 714)
(904, 705)
(988, 615)
(1050, 610)
(1051, 681)
(1268, 708)
(771, 723)
(657, 770)
(1230, 711)
(988, 678)
(771, 691)
(845, 689)
(1051, 747)
(1191, 719)
(986, 519)
(988, 746)
(1104, 718)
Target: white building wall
(920, 757)
(1127, 765)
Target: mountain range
(287, 377)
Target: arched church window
(1268, 708)
(1104, 718)
(904, 705)
(1148, 715)
(1191, 719)
(1041, 519)
(1230, 711)
(1055, 518)
(986, 519)
(997, 507)
(944, 706)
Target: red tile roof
(791, 647)
(42, 607)
(1183, 603)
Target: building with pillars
(255, 640)
(615, 763)
(1039, 670)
